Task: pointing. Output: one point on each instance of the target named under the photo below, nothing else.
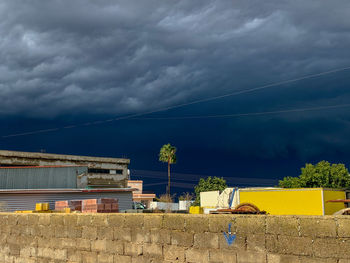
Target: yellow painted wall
(209, 199)
(285, 201)
(331, 208)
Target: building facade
(138, 195)
(101, 171)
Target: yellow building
(294, 201)
(278, 201)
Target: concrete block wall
(134, 238)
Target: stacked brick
(73, 205)
(102, 205)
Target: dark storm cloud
(59, 57)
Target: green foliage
(167, 154)
(323, 174)
(209, 184)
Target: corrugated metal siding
(13, 202)
(40, 178)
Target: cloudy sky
(71, 63)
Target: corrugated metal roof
(41, 177)
(65, 190)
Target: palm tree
(167, 155)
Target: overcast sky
(68, 62)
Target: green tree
(323, 174)
(167, 154)
(209, 184)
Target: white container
(164, 206)
(184, 205)
(207, 210)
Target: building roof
(40, 166)
(62, 157)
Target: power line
(183, 104)
(247, 114)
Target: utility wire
(183, 104)
(246, 114)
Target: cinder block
(343, 227)
(74, 232)
(152, 221)
(12, 219)
(105, 233)
(122, 259)
(89, 257)
(89, 232)
(45, 252)
(70, 220)
(24, 260)
(22, 219)
(43, 242)
(44, 219)
(250, 256)
(27, 252)
(68, 243)
(99, 220)
(197, 223)
(57, 219)
(142, 259)
(9, 259)
(317, 227)
(121, 233)
(197, 255)
(219, 223)
(153, 250)
(48, 231)
(180, 238)
(318, 260)
(33, 219)
(250, 224)
(83, 244)
(238, 244)
(282, 225)
(115, 247)
(84, 220)
(276, 258)
(74, 255)
(14, 249)
(133, 221)
(206, 240)
(327, 247)
(104, 258)
(131, 249)
(60, 254)
(99, 245)
(222, 256)
(174, 253)
(299, 246)
(60, 231)
(160, 236)
(116, 220)
(256, 242)
(140, 236)
(174, 222)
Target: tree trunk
(169, 179)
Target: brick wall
(169, 238)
